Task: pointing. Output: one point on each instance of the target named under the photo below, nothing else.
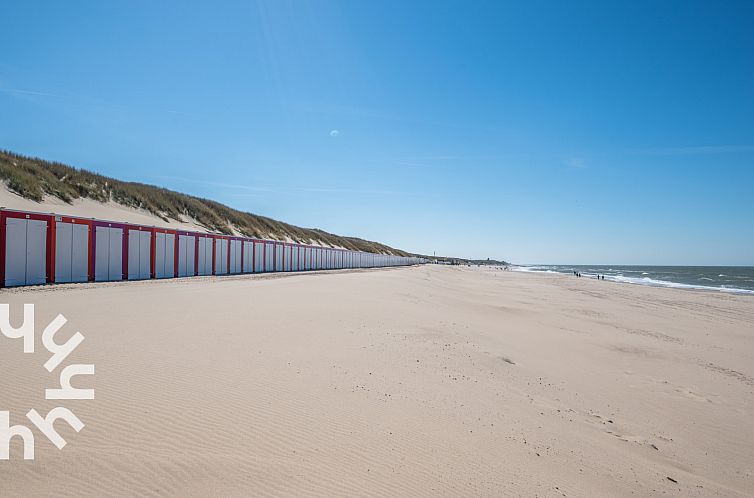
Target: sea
(732, 279)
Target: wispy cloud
(254, 191)
(339, 110)
(16, 91)
(82, 100)
(699, 149)
(353, 191)
(576, 163)
(236, 186)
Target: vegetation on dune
(35, 178)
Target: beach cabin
(259, 256)
(278, 257)
(235, 255)
(269, 256)
(247, 257)
(139, 250)
(187, 243)
(287, 252)
(72, 241)
(221, 255)
(205, 251)
(26, 247)
(107, 247)
(295, 253)
(164, 253)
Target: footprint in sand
(688, 393)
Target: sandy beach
(422, 381)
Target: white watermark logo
(59, 352)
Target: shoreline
(646, 281)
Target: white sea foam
(538, 269)
(675, 285)
(637, 280)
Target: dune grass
(35, 178)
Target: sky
(535, 132)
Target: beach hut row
(39, 248)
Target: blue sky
(537, 132)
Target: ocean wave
(537, 269)
(675, 285)
(643, 280)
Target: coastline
(643, 280)
(431, 380)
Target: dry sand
(414, 381)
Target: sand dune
(419, 381)
(89, 208)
